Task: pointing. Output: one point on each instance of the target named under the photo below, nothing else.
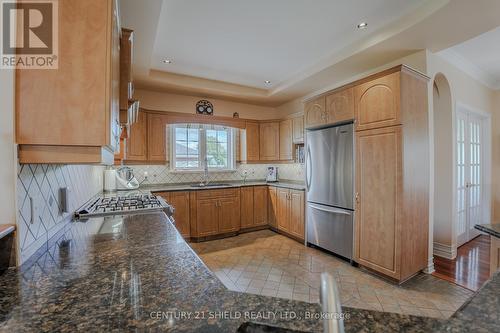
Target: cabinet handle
(357, 197)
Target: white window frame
(231, 141)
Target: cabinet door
(298, 129)
(314, 112)
(252, 141)
(157, 129)
(180, 201)
(247, 203)
(114, 121)
(283, 209)
(269, 141)
(286, 145)
(377, 102)
(229, 214)
(260, 201)
(297, 225)
(378, 187)
(207, 217)
(136, 143)
(272, 208)
(340, 106)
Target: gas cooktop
(120, 205)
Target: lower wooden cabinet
(254, 202)
(272, 207)
(290, 212)
(214, 212)
(180, 202)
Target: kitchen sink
(210, 185)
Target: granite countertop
(226, 184)
(136, 273)
(491, 229)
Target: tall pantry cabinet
(392, 173)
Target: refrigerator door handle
(329, 209)
(308, 168)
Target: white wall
(7, 148)
(468, 91)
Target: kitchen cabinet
(254, 204)
(377, 102)
(392, 174)
(71, 114)
(298, 129)
(272, 207)
(378, 184)
(214, 212)
(340, 106)
(247, 210)
(297, 220)
(269, 141)
(156, 133)
(315, 112)
(137, 142)
(290, 212)
(180, 202)
(285, 140)
(128, 106)
(260, 205)
(250, 142)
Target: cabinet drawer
(207, 194)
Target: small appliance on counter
(125, 179)
(272, 174)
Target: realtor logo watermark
(29, 34)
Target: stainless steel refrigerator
(330, 188)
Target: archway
(444, 238)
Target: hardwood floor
(471, 267)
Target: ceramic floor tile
(264, 262)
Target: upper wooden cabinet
(137, 141)
(377, 102)
(315, 112)
(250, 142)
(286, 140)
(298, 129)
(128, 106)
(340, 106)
(269, 141)
(156, 145)
(71, 114)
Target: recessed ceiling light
(167, 61)
(267, 82)
(362, 25)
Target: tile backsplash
(42, 182)
(161, 174)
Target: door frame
(486, 169)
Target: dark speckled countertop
(133, 273)
(226, 184)
(491, 229)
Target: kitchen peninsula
(133, 277)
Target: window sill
(211, 171)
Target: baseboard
(430, 266)
(444, 251)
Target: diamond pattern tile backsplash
(161, 174)
(42, 182)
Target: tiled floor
(266, 263)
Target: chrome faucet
(333, 321)
(206, 176)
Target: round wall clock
(204, 107)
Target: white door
(470, 174)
